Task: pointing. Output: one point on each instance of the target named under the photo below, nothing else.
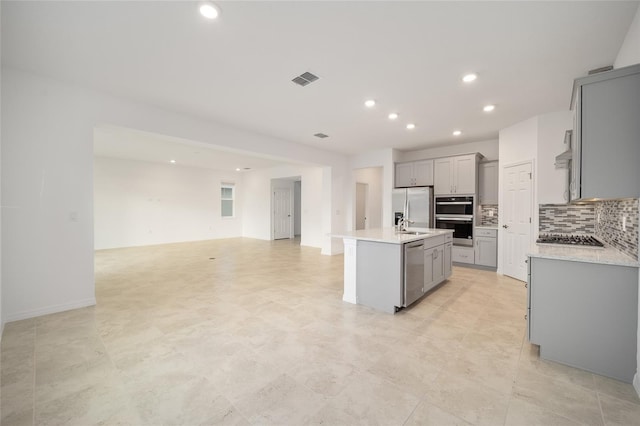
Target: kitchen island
(388, 270)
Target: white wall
(47, 176)
(487, 148)
(552, 183)
(139, 203)
(385, 159)
(297, 208)
(256, 221)
(629, 54)
(372, 176)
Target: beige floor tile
(410, 373)
(568, 400)
(617, 412)
(469, 400)
(368, 400)
(522, 413)
(282, 401)
(327, 378)
(427, 414)
(496, 373)
(615, 388)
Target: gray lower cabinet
(584, 315)
(433, 267)
(486, 247)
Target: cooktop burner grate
(567, 239)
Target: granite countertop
(607, 255)
(390, 236)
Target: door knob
(505, 226)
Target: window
(227, 193)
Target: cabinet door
(488, 182)
(464, 172)
(610, 135)
(404, 175)
(423, 172)
(438, 265)
(486, 252)
(447, 260)
(442, 173)
(429, 260)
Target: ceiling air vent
(304, 79)
(321, 135)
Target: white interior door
(516, 219)
(282, 213)
(361, 205)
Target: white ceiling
(409, 56)
(118, 142)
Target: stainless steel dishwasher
(413, 271)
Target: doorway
(286, 208)
(362, 193)
(517, 218)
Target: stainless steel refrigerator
(415, 204)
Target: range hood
(562, 160)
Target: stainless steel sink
(412, 233)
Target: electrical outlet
(490, 213)
(624, 223)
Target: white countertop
(607, 255)
(389, 235)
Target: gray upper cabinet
(455, 175)
(488, 182)
(606, 148)
(414, 173)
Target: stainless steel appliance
(571, 240)
(413, 271)
(456, 213)
(415, 205)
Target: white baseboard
(51, 309)
(636, 383)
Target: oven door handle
(456, 218)
(453, 203)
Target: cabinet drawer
(463, 254)
(433, 242)
(448, 237)
(484, 232)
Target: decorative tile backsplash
(576, 219)
(601, 218)
(485, 212)
(609, 216)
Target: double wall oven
(456, 213)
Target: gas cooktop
(571, 240)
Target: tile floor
(242, 331)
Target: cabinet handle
(525, 316)
(435, 254)
(525, 285)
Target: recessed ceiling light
(370, 103)
(411, 126)
(393, 116)
(172, 161)
(209, 10)
(237, 169)
(489, 108)
(457, 133)
(469, 78)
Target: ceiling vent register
(304, 79)
(321, 135)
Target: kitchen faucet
(402, 224)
